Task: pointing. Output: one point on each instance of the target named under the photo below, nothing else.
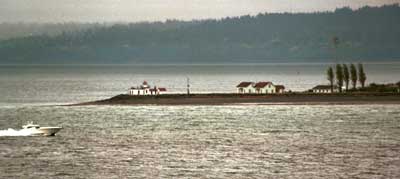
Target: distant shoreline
(241, 99)
(249, 63)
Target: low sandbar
(265, 99)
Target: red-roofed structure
(245, 87)
(162, 89)
(262, 87)
(145, 89)
(280, 88)
(262, 84)
(244, 84)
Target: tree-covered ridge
(13, 30)
(369, 33)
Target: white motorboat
(36, 130)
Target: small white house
(245, 87)
(264, 88)
(259, 88)
(325, 89)
(157, 91)
(145, 89)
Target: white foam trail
(12, 132)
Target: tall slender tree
(346, 76)
(353, 75)
(398, 86)
(339, 76)
(361, 75)
(330, 76)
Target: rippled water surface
(248, 141)
(240, 141)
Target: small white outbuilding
(325, 89)
(145, 89)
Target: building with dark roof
(263, 87)
(325, 89)
(280, 88)
(245, 87)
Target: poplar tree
(346, 76)
(353, 75)
(398, 86)
(339, 76)
(361, 75)
(330, 76)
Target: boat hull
(49, 131)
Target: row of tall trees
(344, 76)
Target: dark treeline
(352, 74)
(15, 30)
(369, 33)
(345, 74)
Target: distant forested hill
(367, 34)
(14, 30)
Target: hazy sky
(151, 10)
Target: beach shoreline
(249, 99)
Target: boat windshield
(32, 126)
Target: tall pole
(291, 7)
(188, 86)
(336, 42)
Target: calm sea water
(237, 141)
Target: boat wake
(13, 132)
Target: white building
(259, 88)
(264, 88)
(245, 87)
(145, 89)
(157, 91)
(325, 89)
